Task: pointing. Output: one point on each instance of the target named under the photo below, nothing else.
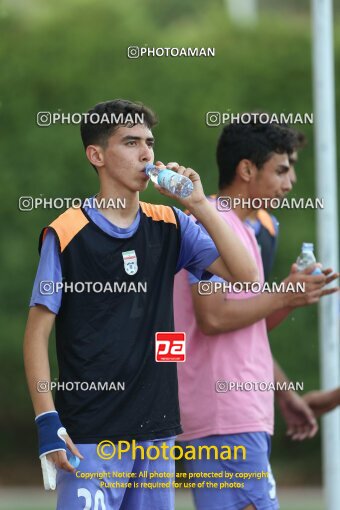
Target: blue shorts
(258, 491)
(81, 492)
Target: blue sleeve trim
(51, 308)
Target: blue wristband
(49, 432)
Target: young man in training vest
(227, 340)
(110, 387)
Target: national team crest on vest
(130, 262)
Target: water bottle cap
(73, 460)
(148, 167)
(307, 247)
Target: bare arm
(277, 317)
(299, 417)
(323, 401)
(38, 329)
(215, 314)
(235, 263)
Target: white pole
(327, 234)
(242, 11)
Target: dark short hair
(301, 140)
(254, 141)
(98, 130)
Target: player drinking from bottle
(107, 337)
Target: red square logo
(170, 346)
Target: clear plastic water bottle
(175, 183)
(307, 258)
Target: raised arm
(234, 263)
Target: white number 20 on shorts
(99, 503)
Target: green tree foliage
(69, 56)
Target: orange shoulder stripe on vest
(67, 226)
(267, 221)
(159, 212)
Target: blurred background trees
(68, 56)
